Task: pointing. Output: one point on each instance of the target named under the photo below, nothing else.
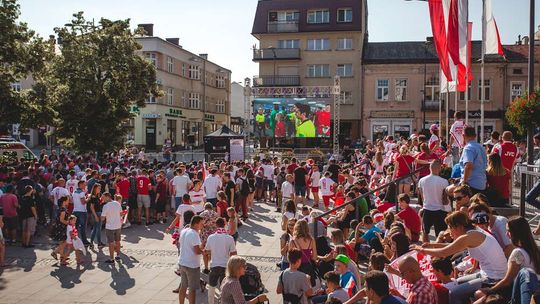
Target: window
(220, 81)
(152, 57)
(344, 70)
(169, 64)
(346, 97)
(194, 72)
(318, 16)
(462, 94)
(516, 89)
(382, 89)
(344, 15)
(344, 44)
(401, 89)
(284, 16)
(184, 69)
(194, 100)
(171, 130)
(318, 44)
(318, 70)
(170, 96)
(151, 99)
(16, 86)
(289, 44)
(432, 89)
(220, 106)
(487, 89)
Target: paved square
(145, 274)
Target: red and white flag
(493, 40)
(465, 71)
(438, 12)
(458, 17)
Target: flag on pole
(458, 16)
(447, 86)
(437, 9)
(493, 40)
(465, 70)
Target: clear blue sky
(222, 28)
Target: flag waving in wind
(492, 38)
(437, 9)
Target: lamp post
(530, 128)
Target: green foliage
(524, 111)
(21, 53)
(88, 87)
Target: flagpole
(446, 115)
(440, 115)
(455, 99)
(482, 84)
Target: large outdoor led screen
(291, 117)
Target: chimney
(175, 41)
(525, 40)
(148, 28)
(204, 56)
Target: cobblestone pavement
(145, 274)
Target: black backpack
(289, 298)
(251, 281)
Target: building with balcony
(305, 43)
(401, 90)
(196, 99)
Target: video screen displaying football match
(291, 117)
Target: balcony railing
(275, 54)
(432, 105)
(282, 26)
(276, 81)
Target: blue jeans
(81, 225)
(533, 194)
(96, 230)
(467, 285)
(525, 285)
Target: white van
(12, 148)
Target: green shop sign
(175, 113)
(209, 117)
(134, 109)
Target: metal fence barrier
(529, 201)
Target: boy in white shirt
(326, 184)
(287, 190)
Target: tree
(92, 82)
(22, 53)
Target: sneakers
(126, 225)
(117, 258)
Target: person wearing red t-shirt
(280, 130)
(292, 166)
(122, 186)
(424, 158)
(322, 121)
(498, 179)
(143, 196)
(403, 166)
(409, 216)
(507, 151)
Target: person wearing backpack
(293, 284)
(243, 192)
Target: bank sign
(175, 113)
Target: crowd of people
(432, 234)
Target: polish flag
(438, 12)
(467, 68)
(493, 40)
(457, 30)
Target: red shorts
(315, 189)
(326, 200)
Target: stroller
(251, 282)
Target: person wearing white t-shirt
(183, 208)
(80, 210)
(72, 182)
(268, 183)
(456, 135)
(326, 184)
(112, 215)
(432, 189)
(287, 190)
(180, 185)
(219, 247)
(211, 185)
(189, 260)
(198, 196)
(57, 193)
(315, 178)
